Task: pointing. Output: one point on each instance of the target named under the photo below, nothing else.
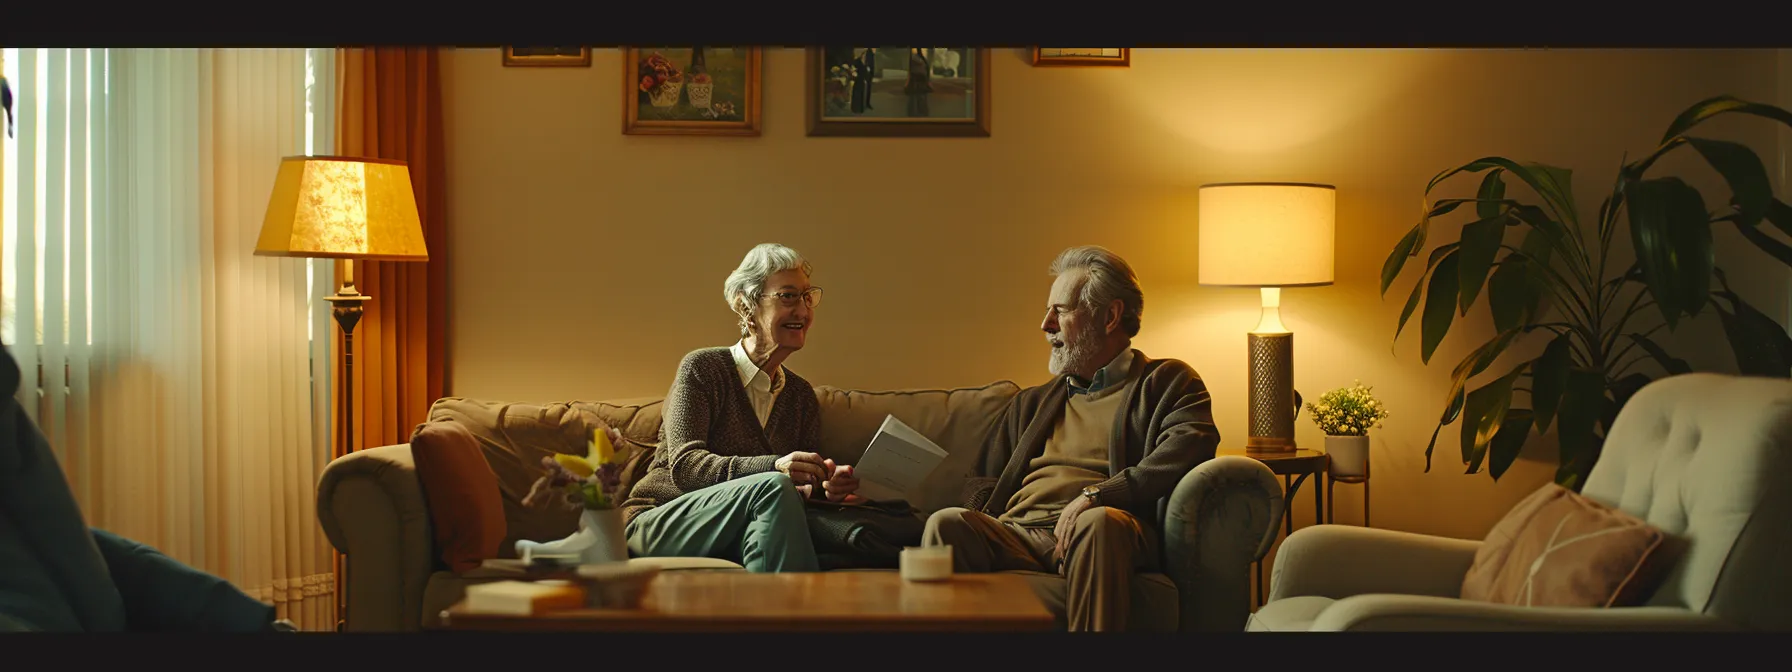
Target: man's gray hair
(1107, 277)
(746, 285)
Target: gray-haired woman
(738, 442)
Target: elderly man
(1070, 478)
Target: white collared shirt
(762, 389)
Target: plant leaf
(1483, 415)
(1440, 304)
(1518, 287)
(1672, 237)
(1760, 345)
(1751, 190)
(1503, 450)
(1673, 365)
(1622, 391)
(1549, 378)
(1583, 403)
(1711, 107)
(1493, 189)
(1548, 181)
(1780, 216)
(1412, 301)
(1390, 269)
(1451, 411)
(1480, 245)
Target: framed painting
(690, 91)
(1082, 57)
(566, 57)
(917, 92)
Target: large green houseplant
(1561, 279)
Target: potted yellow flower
(1346, 415)
(591, 485)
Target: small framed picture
(564, 57)
(690, 91)
(915, 92)
(1119, 58)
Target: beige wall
(587, 262)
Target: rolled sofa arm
(1221, 518)
(1338, 561)
(1412, 613)
(371, 507)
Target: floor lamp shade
(1268, 235)
(343, 208)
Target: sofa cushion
(1289, 614)
(466, 512)
(1557, 548)
(957, 419)
(515, 436)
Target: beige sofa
(1220, 519)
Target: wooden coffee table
(876, 601)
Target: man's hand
(1067, 523)
(803, 469)
(842, 484)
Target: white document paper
(897, 461)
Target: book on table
(523, 598)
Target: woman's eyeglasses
(810, 297)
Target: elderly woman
(738, 439)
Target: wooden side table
(1294, 467)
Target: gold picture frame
(1067, 57)
(866, 92)
(547, 57)
(662, 95)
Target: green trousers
(757, 521)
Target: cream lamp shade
(344, 208)
(1266, 234)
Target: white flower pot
(1349, 456)
(598, 540)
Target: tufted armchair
(1704, 457)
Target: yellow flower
(602, 452)
(575, 464)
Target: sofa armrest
(371, 507)
(1220, 519)
(1338, 561)
(1414, 613)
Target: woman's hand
(841, 484)
(803, 469)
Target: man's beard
(1076, 353)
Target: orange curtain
(389, 106)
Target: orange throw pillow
(1557, 548)
(466, 510)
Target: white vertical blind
(177, 383)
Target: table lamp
(1268, 235)
(343, 208)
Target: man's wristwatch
(1093, 493)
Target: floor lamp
(348, 208)
(1268, 235)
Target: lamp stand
(1273, 402)
(346, 306)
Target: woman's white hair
(1108, 278)
(746, 285)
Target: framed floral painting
(691, 91)
(939, 92)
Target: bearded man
(1074, 475)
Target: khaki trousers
(1107, 546)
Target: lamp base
(1273, 402)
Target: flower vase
(699, 93)
(598, 540)
(1349, 456)
(666, 94)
